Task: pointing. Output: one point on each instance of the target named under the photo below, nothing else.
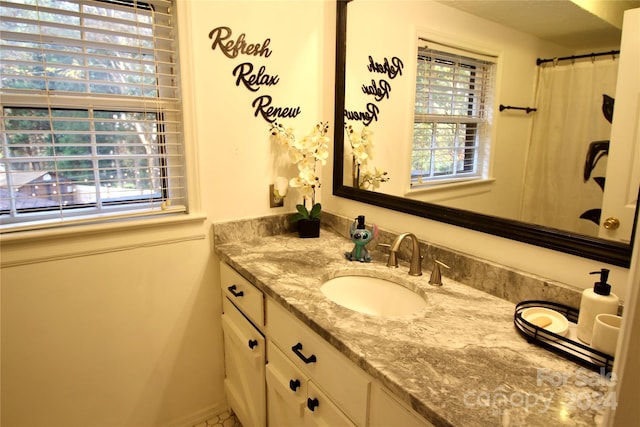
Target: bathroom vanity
(308, 382)
(457, 362)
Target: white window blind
(90, 120)
(453, 99)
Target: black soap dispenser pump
(596, 301)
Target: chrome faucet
(415, 267)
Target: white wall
(235, 152)
(120, 332)
(120, 326)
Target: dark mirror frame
(610, 252)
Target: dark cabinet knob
(312, 404)
(253, 343)
(294, 384)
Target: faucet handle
(393, 259)
(436, 277)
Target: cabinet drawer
(243, 294)
(287, 387)
(336, 375)
(322, 412)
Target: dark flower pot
(309, 228)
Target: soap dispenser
(596, 301)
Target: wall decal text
(254, 81)
(392, 70)
(379, 89)
(246, 74)
(231, 49)
(263, 108)
(366, 117)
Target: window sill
(452, 190)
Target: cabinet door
(286, 390)
(322, 412)
(386, 411)
(244, 351)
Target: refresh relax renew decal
(248, 75)
(379, 89)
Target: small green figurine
(361, 236)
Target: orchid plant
(306, 153)
(362, 151)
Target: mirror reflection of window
(451, 135)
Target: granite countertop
(459, 361)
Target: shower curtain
(569, 117)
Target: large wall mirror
(379, 48)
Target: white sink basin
(371, 295)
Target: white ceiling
(559, 21)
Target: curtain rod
(509, 107)
(573, 57)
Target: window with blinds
(453, 99)
(90, 124)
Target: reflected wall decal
(379, 89)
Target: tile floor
(226, 419)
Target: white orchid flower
(360, 155)
(296, 182)
(295, 155)
(322, 154)
(308, 176)
(307, 164)
(362, 149)
(306, 153)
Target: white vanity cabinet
(337, 390)
(244, 347)
(294, 377)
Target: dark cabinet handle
(296, 349)
(233, 291)
(294, 384)
(253, 343)
(312, 404)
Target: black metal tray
(567, 347)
